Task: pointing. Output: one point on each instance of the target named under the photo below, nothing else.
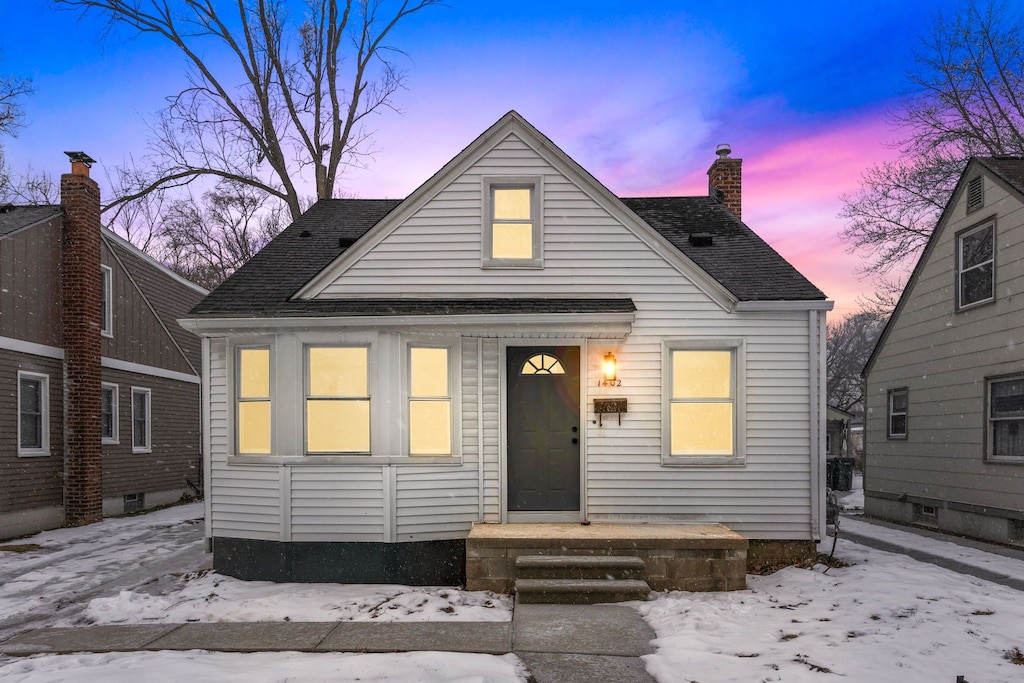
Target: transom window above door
(542, 364)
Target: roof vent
(305, 233)
(346, 242)
(701, 239)
(975, 194)
(6, 208)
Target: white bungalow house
(510, 345)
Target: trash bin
(841, 476)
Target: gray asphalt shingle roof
(1010, 169)
(737, 258)
(14, 218)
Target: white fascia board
(140, 369)
(22, 346)
(807, 305)
(593, 325)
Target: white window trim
(989, 441)
(306, 396)
(116, 438)
(454, 393)
(107, 324)
(739, 359)
(236, 393)
(890, 413)
(44, 400)
(148, 447)
(960, 270)
(537, 211)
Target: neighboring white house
(510, 343)
(945, 383)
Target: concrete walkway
(558, 643)
(938, 560)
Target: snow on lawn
(852, 500)
(884, 618)
(208, 596)
(419, 667)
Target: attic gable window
(512, 234)
(976, 266)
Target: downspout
(817, 398)
(204, 408)
(480, 425)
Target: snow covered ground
(885, 617)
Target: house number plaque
(609, 383)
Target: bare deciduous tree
(12, 90)
(848, 345)
(967, 99)
(294, 98)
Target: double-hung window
(1006, 418)
(512, 233)
(142, 437)
(976, 266)
(337, 399)
(33, 414)
(108, 413)
(704, 406)
(897, 414)
(253, 403)
(430, 401)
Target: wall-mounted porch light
(609, 367)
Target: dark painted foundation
(426, 563)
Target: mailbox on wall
(605, 406)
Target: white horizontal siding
(435, 503)
(337, 504)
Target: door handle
(575, 429)
(575, 440)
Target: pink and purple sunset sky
(638, 93)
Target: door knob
(575, 440)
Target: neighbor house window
(897, 423)
(512, 229)
(337, 399)
(1006, 418)
(33, 414)
(106, 301)
(430, 401)
(976, 265)
(702, 402)
(108, 413)
(142, 438)
(253, 401)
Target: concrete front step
(580, 591)
(580, 567)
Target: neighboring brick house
(99, 386)
(944, 386)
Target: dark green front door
(543, 428)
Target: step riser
(580, 573)
(578, 598)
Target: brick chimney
(725, 180)
(80, 315)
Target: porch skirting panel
(425, 563)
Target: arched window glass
(542, 364)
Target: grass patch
(982, 612)
(20, 547)
(771, 566)
(1014, 656)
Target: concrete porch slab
(558, 668)
(691, 536)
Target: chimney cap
(80, 158)
(723, 150)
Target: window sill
(896, 437)
(498, 264)
(33, 453)
(1005, 460)
(141, 450)
(110, 442)
(976, 304)
(347, 460)
(703, 461)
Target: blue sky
(638, 93)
